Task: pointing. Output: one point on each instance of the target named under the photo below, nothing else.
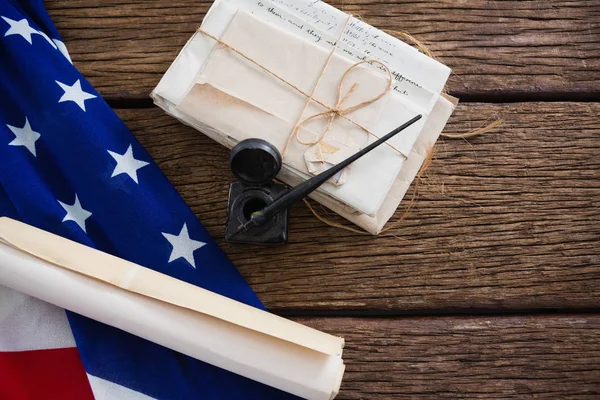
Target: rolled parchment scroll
(202, 324)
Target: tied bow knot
(338, 110)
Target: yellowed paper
(202, 324)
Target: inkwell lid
(255, 161)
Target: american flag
(68, 165)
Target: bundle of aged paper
(319, 85)
(202, 324)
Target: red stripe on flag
(43, 374)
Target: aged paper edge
(132, 277)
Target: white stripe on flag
(106, 390)
(27, 323)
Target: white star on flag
(183, 245)
(21, 28)
(24, 136)
(75, 94)
(127, 164)
(76, 213)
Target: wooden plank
(508, 220)
(543, 357)
(512, 48)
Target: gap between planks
(434, 313)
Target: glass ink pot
(255, 163)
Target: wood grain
(535, 49)
(508, 220)
(541, 357)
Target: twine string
(310, 97)
(337, 110)
(314, 88)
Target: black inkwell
(258, 208)
(255, 163)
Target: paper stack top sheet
(274, 70)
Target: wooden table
(491, 286)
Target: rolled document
(202, 324)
